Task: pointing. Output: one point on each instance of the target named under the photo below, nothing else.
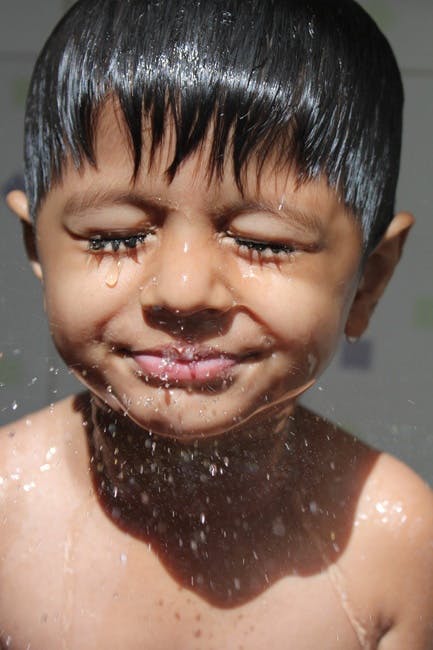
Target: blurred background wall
(381, 388)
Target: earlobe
(378, 271)
(18, 203)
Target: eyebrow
(79, 203)
(306, 220)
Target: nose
(188, 278)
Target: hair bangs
(287, 82)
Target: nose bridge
(188, 275)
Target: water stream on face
(112, 277)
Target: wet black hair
(311, 83)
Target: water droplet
(314, 508)
(202, 518)
(112, 277)
(237, 584)
(278, 527)
(14, 405)
(213, 469)
(123, 558)
(50, 454)
(28, 487)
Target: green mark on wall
(19, 91)
(423, 313)
(10, 371)
(381, 11)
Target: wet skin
(197, 315)
(194, 284)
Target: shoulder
(34, 448)
(394, 527)
(398, 502)
(20, 441)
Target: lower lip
(169, 370)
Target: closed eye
(261, 246)
(99, 244)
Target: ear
(17, 202)
(378, 270)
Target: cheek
(80, 303)
(302, 315)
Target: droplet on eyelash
(112, 277)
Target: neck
(222, 494)
(137, 465)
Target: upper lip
(184, 353)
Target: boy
(210, 192)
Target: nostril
(188, 325)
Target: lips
(185, 365)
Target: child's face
(216, 306)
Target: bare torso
(70, 578)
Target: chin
(185, 425)
(188, 413)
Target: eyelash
(250, 246)
(99, 244)
(260, 251)
(264, 247)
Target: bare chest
(87, 590)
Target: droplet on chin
(112, 277)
